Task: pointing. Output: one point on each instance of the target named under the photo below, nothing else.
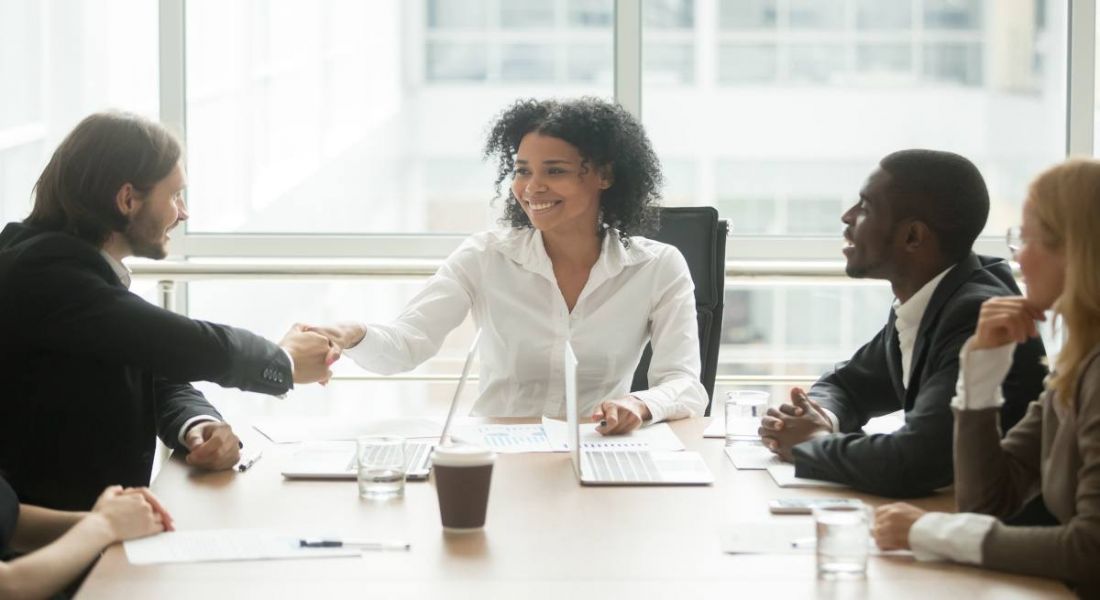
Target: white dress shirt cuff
(944, 536)
(189, 423)
(981, 373)
(833, 421)
(367, 348)
(290, 358)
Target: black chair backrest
(701, 237)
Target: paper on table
(506, 439)
(788, 535)
(658, 436)
(751, 455)
(224, 545)
(783, 474)
(282, 430)
(744, 427)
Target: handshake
(314, 349)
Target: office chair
(701, 237)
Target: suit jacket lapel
(893, 356)
(944, 291)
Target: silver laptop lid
(571, 417)
(444, 439)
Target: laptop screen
(443, 435)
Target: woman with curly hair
(567, 266)
(1054, 451)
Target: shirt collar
(121, 270)
(910, 312)
(525, 246)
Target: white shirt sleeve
(833, 420)
(955, 537)
(981, 373)
(189, 423)
(417, 334)
(675, 391)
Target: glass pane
(671, 64)
(56, 67)
(669, 14)
(339, 117)
(794, 102)
(953, 14)
(876, 14)
(747, 14)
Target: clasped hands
(781, 429)
(313, 351)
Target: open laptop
(336, 460)
(605, 466)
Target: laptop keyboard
(415, 453)
(622, 465)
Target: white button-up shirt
(907, 322)
(633, 295)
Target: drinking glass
(381, 463)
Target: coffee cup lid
(462, 455)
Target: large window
(57, 65)
(368, 117)
(341, 129)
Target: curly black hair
(605, 135)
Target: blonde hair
(1065, 201)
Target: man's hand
(621, 415)
(346, 335)
(312, 353)
(212, 445)
(791, 424)
(892, 525)
(1006, 320)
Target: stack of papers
(751, 455)
(794, 535)
(783, 474)
(224, 545)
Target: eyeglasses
(1014, 240)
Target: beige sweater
(1055, 450)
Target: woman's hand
(131, 513)
(892, 525)
(1006, 320)
(621, 416)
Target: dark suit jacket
(917, 458)
(90, 373)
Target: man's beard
(145, 238)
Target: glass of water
(743, 411)
(381, 463)
(843, 539)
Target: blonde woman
(1055, 449)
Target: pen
(365, 545)
(247, 464)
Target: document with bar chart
(507, 439)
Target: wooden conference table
(546, 537)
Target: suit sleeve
(858, 389)
(177, 403)
(914, 460)
(71, 307)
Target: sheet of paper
(786, 535)
(783, 474)
(219, 545)
(751, 455)
(658, 436)
(506, 439)
(283, 430)
(744, 428)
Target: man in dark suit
(91, 372)
(914, 225)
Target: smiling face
(1042, 265)
(556, 190)
(160, 211)
(869, 235)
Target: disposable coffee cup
(462, 473)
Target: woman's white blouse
(633, 295)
